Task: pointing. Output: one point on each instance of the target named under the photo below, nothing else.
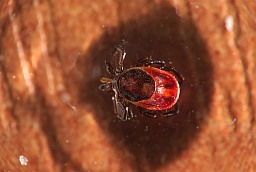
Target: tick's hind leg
(147, 61)
(176, 73)
(148, 113)
(172, 111)
(164, 113)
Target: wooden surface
(51, 111)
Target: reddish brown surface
(51, 111)
(166, 92)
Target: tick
(150, 85)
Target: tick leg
(105, 87)
(143, 61)
(119, 56)
(148, 113)
(106, 84)
(146, 61)
(129, 112)
(157, 62)
(177, 74)
(109, 68)
(123, 111)
(119, 109)
(172, 111)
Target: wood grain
(51, 110)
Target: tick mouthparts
(105, 80)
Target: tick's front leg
(109, 68)
(119, 56)
(123, 112)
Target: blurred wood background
(52, 113)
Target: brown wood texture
(52, 112)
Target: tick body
(149, 88)
(151, 85)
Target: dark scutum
(136, 85)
